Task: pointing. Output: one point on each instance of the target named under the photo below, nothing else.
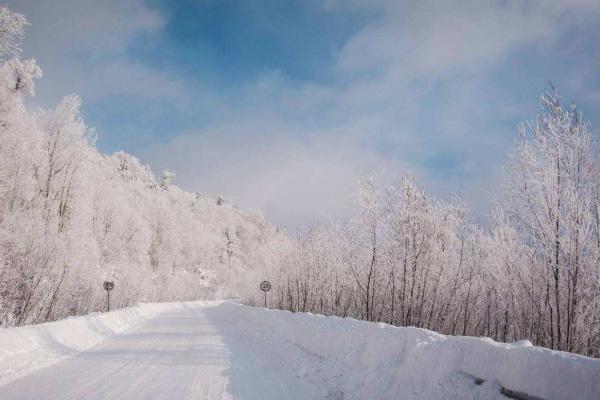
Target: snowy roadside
(27, 348)
(363, 360)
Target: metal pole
(265, 299)
(108, 299)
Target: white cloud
(295, 149)
(422, 39)
(294, 180)
(82, 45)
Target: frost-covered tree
(11, 32)
(550, 198)
(408, 259)
(71, 217)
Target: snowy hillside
(71, 217)
(224, 350)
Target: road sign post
(265, 286)
(108, 286)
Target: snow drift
(365, 360)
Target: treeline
(410, 260)
(71, 218)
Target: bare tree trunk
(55, 293)
(557, 256)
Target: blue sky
(282, 105)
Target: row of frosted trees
(71, 218)
(410, 260)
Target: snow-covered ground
(32, 347)
(224, 350)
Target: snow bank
(375, 360)
(30, 347)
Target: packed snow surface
(224, 350)
(31, 347)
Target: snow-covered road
(192, 353)
(225, 350)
